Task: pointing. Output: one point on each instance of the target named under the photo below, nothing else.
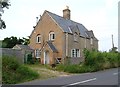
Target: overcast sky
(101, 16)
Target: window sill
(52, 40)
(37, 57)
(38, 42)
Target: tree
(3, 4)
(26, 41)
(114, 49)
(10, 42)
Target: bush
(13, 72)
(101, 60)
(94, 61)
(9, 63)
(26, 73)
(28, 59)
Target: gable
(47, 19)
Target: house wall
(95, 44)
(75, 45)
(80, 44)
(44, 26)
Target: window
(91, 40)
(75, 53)
(51, 36)
(37, 53)
(75, 36)
(38, 38)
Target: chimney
(66, 13)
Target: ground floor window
(37, 53)
(75, 53)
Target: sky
(101, 16)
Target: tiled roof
(70, 26)
(25, 47)
(53, 48)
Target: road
(106, 77)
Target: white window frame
(75, 53)
(37, 53)
(38, 38)
(51, 36)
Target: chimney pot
(66, 13)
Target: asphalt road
(106, 77)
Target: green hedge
(94, 61)
(13, 72)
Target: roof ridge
(63, 17)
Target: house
(54, 38)
(24, 51)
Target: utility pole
(112, 42)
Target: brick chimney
(66, 13)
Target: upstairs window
(51, 36)
(38, 38)
(75, 53)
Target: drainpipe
(66, 44)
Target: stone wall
(76, 60)
(19, 54)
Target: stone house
(54, 38)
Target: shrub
(94, 61)
(60, 67)
(71, 68)
(9, 62)
(26, 73)
(13, 72)
(29, 59)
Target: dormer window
(75, 37)
(51, 36)
(38, 38)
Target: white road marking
(80, 82)
(116, 73)
(83, 81)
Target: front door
(46, 57)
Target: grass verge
(45, 71)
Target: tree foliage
(10, 42)
(3, 4)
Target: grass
(46, 72)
